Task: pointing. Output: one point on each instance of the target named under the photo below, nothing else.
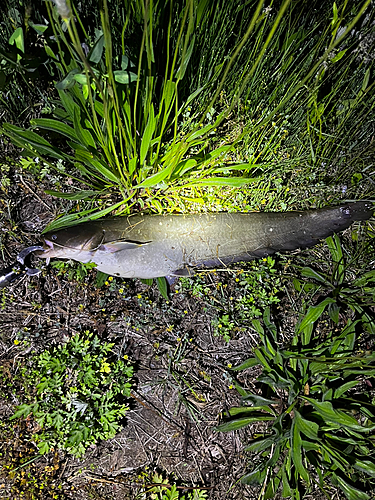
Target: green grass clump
(173, 100)
(342, 285)
(76, 393)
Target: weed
(26, 474)
(156, 487)
(127, 131)
(255, 288)
(341, 284)
(72, 270)
(321, 416)
(76, 393)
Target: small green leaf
(17, 39)
(247, 364)
(43, 447)
(39, 28)
(366, 79)
(339, 56)
(22, 411)
(239, 423)
(314, 313)
(97, 51)
(163, 287)
(101, 278)
(124, 77)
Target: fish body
(150, 246)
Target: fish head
(78, 242)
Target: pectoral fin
(184, 271)
(119, 245)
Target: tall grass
(142, 113)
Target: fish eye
(54, 237)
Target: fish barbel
(150, 246)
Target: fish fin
(184, 271)
(117, 246)
(171, 279)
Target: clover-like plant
(77, 394)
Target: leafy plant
(72, 270)
(257, 287)
(321, 416)
(76, 394)
(158, 488)
(342, 287)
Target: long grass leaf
(81, 195)
(55, 126)
(222, 181)
(314, 313)
(239, 423)
(84, 216)
(147, 135)
(296, 451)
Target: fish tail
(292, 230)
(361, 210)
(327, 221)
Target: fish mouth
(47, 252)
(45, 246)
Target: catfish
(152, 246)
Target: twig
(34, 193)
